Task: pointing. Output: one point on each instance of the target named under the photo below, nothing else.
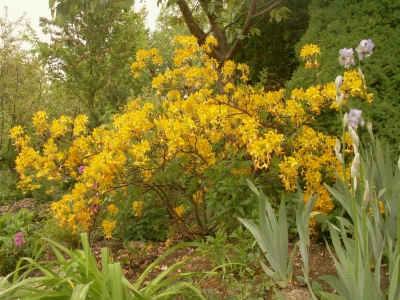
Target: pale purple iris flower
(354, 118)
(365, 48)
(346, 58)
(18, 239)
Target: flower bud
(337, 151)
(338, 83)
(354, 165)
(355, 183)
(354, 136)
(345, 120)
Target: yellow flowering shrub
(164, 147)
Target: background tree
(375, 20)
(89, 56)
(228, 21)
(22, 80)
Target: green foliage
(272, 52)
(89, 57)
(63, 8)
(9, 193)
(152, 224)
(371, 231)
(227, 195)
(22, 80)
(303, 215)
(375, 20)
(272, 237)
(235, 254)
(249, 288)
(11, 250)
(79, 277)
(52, 230)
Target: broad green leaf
(116, 281)
(394, 291)
(255, 31)
(337, 285)
(253, 187)
(80, 291)
(51, 3)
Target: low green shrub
(152, 224)
(17, 239)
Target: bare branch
(194, 28)
(247, 25)
(267, 10)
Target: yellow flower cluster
(180, 210)
(40, 123)
(309, 53)
(112, 209)
(108, 227)
(138, 208)
(314, 160)
(353, 86)
(143, 58)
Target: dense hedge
(335, 24)
(273, 50)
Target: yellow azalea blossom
(180, 210)
(309, 50)
(40, 123)
(309, 53)
(108, 227)
(381, 208)
(138, 208)
(112, 209)
(80, 125)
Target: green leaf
(394, 291)
(51, 3)
(116, 281)
(337, 285)
(255, 31)
(80, 291)
(317, 287)
(62, 10)
(128, 4)
(253, 187)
